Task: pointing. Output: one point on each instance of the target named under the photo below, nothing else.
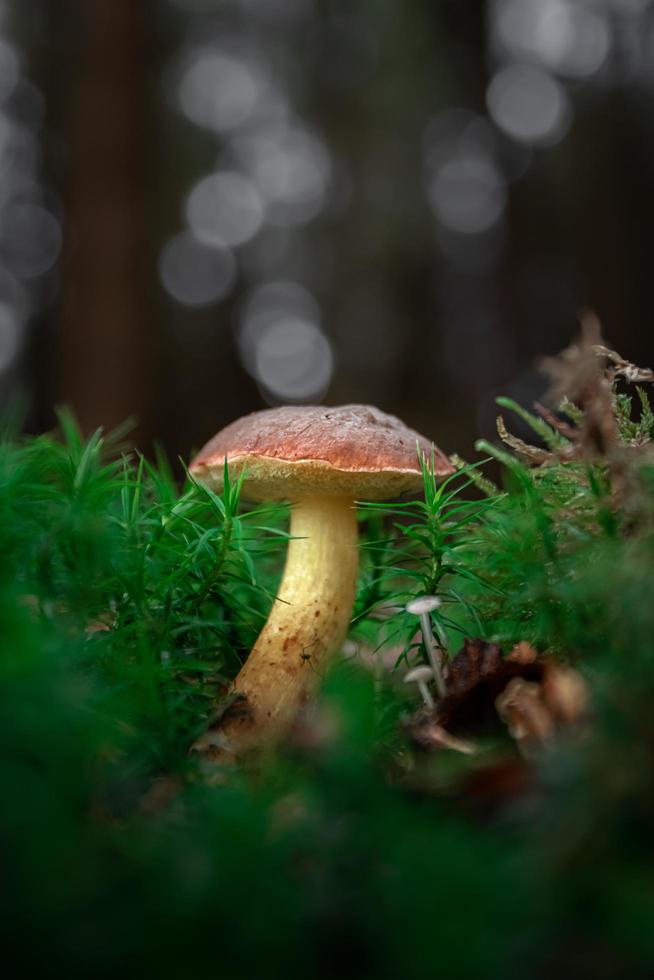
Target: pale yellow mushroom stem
(307, 623)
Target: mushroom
(422, 676)
(422, 607)
(321, 460)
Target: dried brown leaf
(531, 453)
(522, 653)
(527, 717)
(576, 369)
(477, 675)
(428, 735)
(476, 662)
(563, 428)
(577, 374)
(565, 693)
(625, 369)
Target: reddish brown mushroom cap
(297, 450)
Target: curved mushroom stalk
(307, 623)
(324, 458)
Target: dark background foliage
(420, 198)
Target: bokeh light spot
(10, 333)
(219, 92)
(224, 209)
(278, 11)
(193, 273)
(293, 360)
(268, 304)
(529, 105)
(281, 344)
(290, 167)
(467, 194)
(9, 69)
(31, 239)
(569, 38)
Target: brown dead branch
(530, 453)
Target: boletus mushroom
(321, 460)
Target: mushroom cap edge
(301, 450)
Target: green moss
(126, 606)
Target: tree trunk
(103, 351)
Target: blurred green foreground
(126, 607)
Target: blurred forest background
(210, 206)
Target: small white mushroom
(422, 607)
(421, 676)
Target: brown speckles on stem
(304, 627)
